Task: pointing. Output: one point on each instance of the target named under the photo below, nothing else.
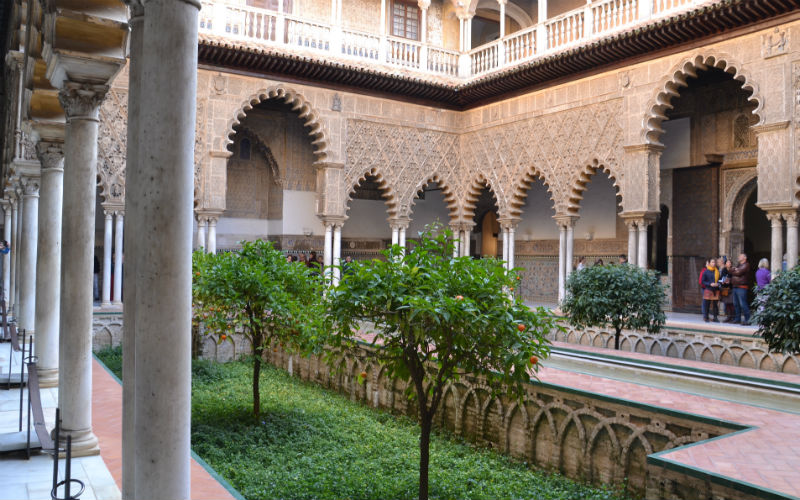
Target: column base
(115, 303)
(84, 443)
(48, 377)
(105, 304)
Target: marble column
(337, 252)
(642, 245)
(456, 240)
(570, 242)
(212, 234)
(48, 262)
(18, 237)
(511, 246)
(327, 252)
(791, 238)
(108, 232)
(395, 235)
(633, 254)
(6, 256)
(27, 255)
(163, 224)
(465, 242)
(12, 260)
(118, 256)
(81, 103)
(776, 254)
(202, 225)
(133, 196)
(504, 231)
(502, 17)
(402, 237)
(562, 259)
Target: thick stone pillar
(12, 256)
(6, 256)
(48, 262)
(131, 242)
(27, 257)
(202, 225)
(633, 253)
(776, 253)
(118, 256)
(791, 238)
(212, 235)
(81, 103)
(642, 225)
(108, 231)
(163, 224)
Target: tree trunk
(424, 454)
(256, 376)
(616, 338)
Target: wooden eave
(727, 17)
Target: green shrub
(777, 312)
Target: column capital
(644, 148)
(508, 222)
(30, 186)
(776, 218)
(81, 100)
(566, 221)
(790, 218)
(502, 2)
(641, 219)
(423, 4)
(51, 155)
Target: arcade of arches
(687, 153)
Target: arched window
(244, 149)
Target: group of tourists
(723, 281)
(315, 263)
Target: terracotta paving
(107, 424)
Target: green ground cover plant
(311, 443)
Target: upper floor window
(405, 19)
(244, 149)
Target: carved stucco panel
(774, 183)
(112, 140)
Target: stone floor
(31, 479)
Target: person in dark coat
(740, 282)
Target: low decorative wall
(673, 341)
(106, 330)
(583, 435)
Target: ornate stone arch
(473, 192)
(407, 204)
(389, 194)
(299, 104)
(670, 86)
(520, 191)
(733, 211)
(581, 178)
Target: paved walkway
(765, 457)
(31, 479)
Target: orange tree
(257, 293)
(437, 318)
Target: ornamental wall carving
(112, 140)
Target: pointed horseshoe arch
(582, 179)
(472, 194)
(389, 194)
(676, 79)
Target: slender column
(502, 17)
(570, 241)
(562, 257)
(465, 243)
(337, 252)
(402, 237)
(462, 33)
(202, 225)
(423, 28)
(642, 245)
(632, 250)
(27, 259)
(791, 238)
(163, 224)
(511, 245)
(81, 104)
(395, 235)
(541, 32)
(6, 256)
(48, 262)
(118, 255)
(107, 238)
(212, 234)
(504, 231)
(328, 249)
(383, 18)
(18, 236)
(456, 240)
(777, 241)
(12, 261)
(133, 195)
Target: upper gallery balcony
(440, 39)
